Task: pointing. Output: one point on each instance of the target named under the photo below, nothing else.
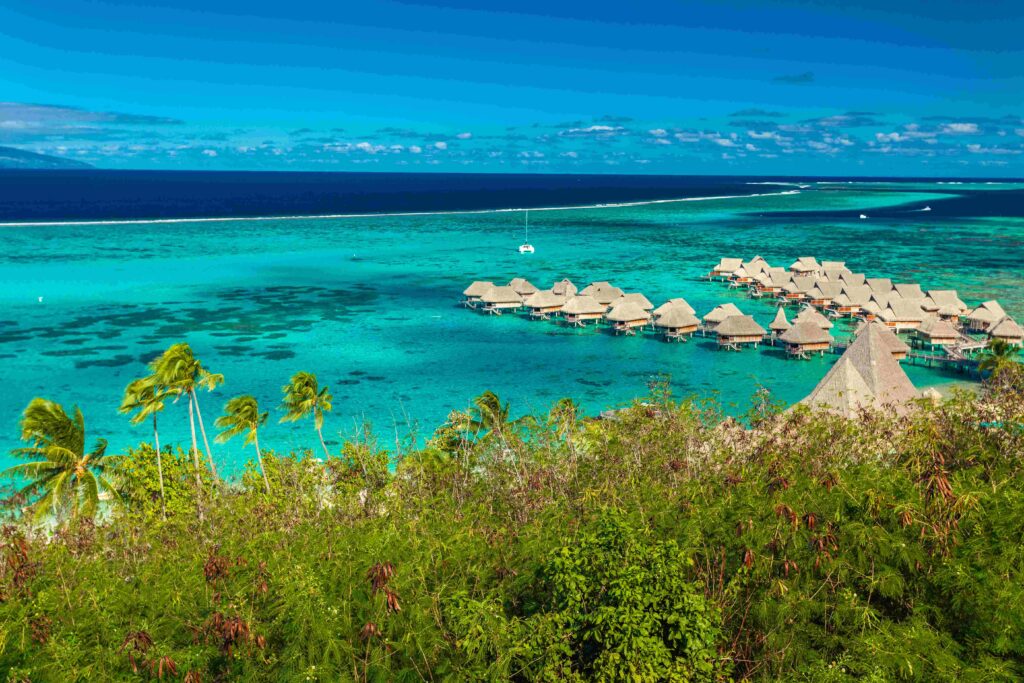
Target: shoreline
(464, 212)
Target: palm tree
(177, 371)
(489, 416)
(145, 398)
(242, 416)
(997, 355)
(303, 396)
(69, 478)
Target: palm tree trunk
(259, 459)
(202, 428)
(322, 443)
(159, 468)
(195, 458)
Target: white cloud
(959, 128)
(441, 145)
(724, 142)
(598, 130)
(766, 135)
(978, 149)
(210, 152)
(571, 155)
(464, 136)
(415, 149)
(1019, 131)
(661, 141)
(369, 148)
(889, 137)
(658, 132)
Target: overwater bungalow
(1008, 331)
(737, 330)
(522, 286)
(824, 293)
(473, 293)
(805, 338)
(982, 318)
(832, 274)
(934, 331)
(676, 324)
(779, 324)
(937, 299)
(833, 265)
(951, 313)
(726, 267)
(638, 299)
(811, 315)
(603, 292)
(797, 289)
(866, 376)
(741, 277)
(771, 282)
(544, 303)
(879, 285)
(581, 308)
(908, 290)
(720, 313)
(871, 310)
(677, 302)
(850, 300)
(564, 288)
(626, 316)
(805, 265)
(902, 314)
(498, 299)
(853, 279)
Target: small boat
(863, 216)
(927, 208)
(526, 247)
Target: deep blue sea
(101, 270)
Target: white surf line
(226, 219)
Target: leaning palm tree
(997, 355)
(145, 398)
(303, 396)
(177, 371)
(67, 480)
(490, 416)
(242, 416)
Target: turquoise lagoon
(370, 304)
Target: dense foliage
(668, 543)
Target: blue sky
(798, 87)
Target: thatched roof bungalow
(798, 289)
(896, 346)
(497, 299)
(937, 299)
(638, 299)
(720, 313)
(805, 265)
(850, 300)
(779, 324)
(564, 288)
(726, 267)
(544, 303)
(603, 292)
(1008, 331)
(824, 293)
(522, 286)
(677, 302)
(772, 281)
(908, 290)
(737, 330)
(933, 331)
(804, 338)
(879, 285)
(811, 315)
(677, 324)
(626, 316)
(853, 279)
(982, 318)
(833, 265)
(476, 290)
(581, 308)
(902, 314)
(866, 376)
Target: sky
(791, 87)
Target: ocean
(102, 270)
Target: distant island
(12, 157)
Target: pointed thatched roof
(854, 295)
(739, 326)
(676, 318)
(865, 376)
(729, 265)
(806, 333)
(779, 324)
(853, 279)
(581, 304)
(811, 315)
(720, 313)
(889, 338)
(1008, 329)
(545, 298)
(477, 288)
(988, 312)
(826, 290)
(677, 302)
(564, 287)
(908, 290)
(902, 310)
(934, 327)
(627, 312)
(501, 295)
(832, 274)
(638, 299)
(522, 286)
(942, 298)
(805, 264)
(950, 311)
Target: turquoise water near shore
(370, 304)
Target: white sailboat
(526, 247)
